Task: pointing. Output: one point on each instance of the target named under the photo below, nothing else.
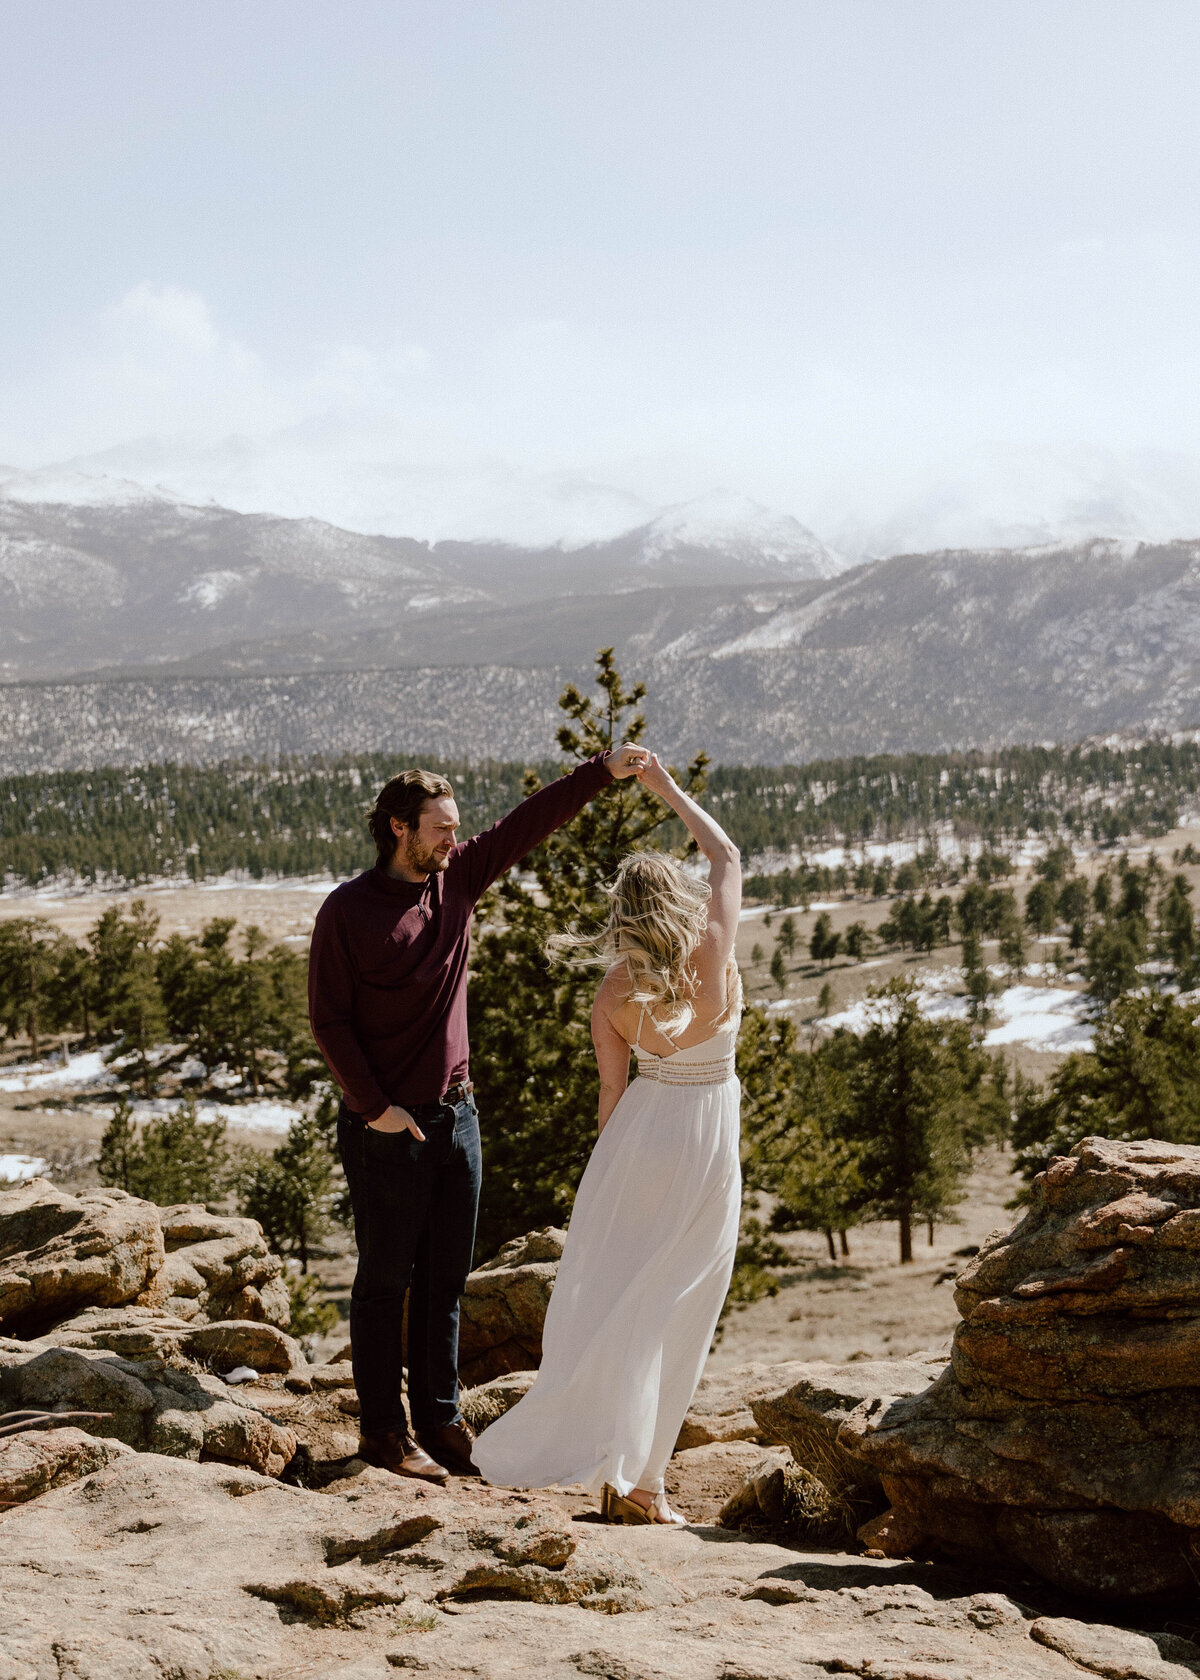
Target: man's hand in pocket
(397, 1120)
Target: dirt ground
(868, 1305)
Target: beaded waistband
(667, 1072)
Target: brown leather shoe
(396, 1451)
(451, 1445)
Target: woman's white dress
(640, 1284)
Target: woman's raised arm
(725, 861)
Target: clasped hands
(633, 760)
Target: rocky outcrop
(151, 1406)
(1119, 1653)
(146, 1333)
(488, 1401)
(822, 1417)
(504, 1307)
(813, 1485)
(216, 1268)
(62, 1254)
(826, 1410)
(36, 1460)
(153, 1566)
(722, 1406)
(1066, 1432)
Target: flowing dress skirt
(639, 1290)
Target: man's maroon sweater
(387, 973)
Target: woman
(654, 1227)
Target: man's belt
(449, 1099)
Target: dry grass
(480, 1409)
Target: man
(387, 1001)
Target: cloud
(550, 429)
(174, 318)
(159, 364)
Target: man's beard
(419, 858)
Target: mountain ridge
(152, 628)
(136, 580)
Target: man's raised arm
(485, 858)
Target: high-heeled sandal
(664, 1516)
(614, 1507)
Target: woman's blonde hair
(656, 918)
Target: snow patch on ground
(88, 1069)
(14, 1169)
(1044, 1018)
(1052, 1018)
(293, 883)
(788, 910)
(260, 1115)
(89, 1074)
(949, 846)
(59, 891)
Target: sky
(914, 271)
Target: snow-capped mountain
(754, 643)
(734, 527)
(378, 475)
(101, 572)
(67, 487)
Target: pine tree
(1012, 945)
(779, 970)
(793, 1126)
(971, 910)
(71, 987)
(858, 941)
(30, 954)
(179, 1158)
(139, 1020)
(1073, 909)
(292, 1193)
(254, 1007)
(119, 1148)
(821, 938)
(1177, 929)
(1141, 1079)
(1041, 910)
(531, 1051)
(920, 1098)
(1115, 952)
(977, 980)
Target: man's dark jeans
(414, 1223)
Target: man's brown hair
(403, 798)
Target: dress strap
(637, 1041)
(669, 1036)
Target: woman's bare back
(710, 1010)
